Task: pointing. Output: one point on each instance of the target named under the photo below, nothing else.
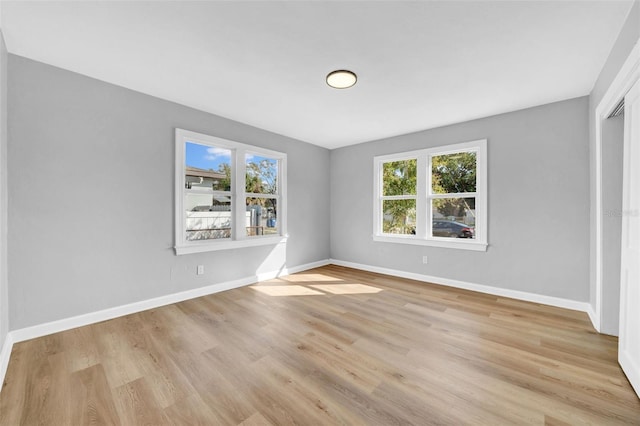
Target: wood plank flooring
(327, 346)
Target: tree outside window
(399, 196)
(454, 175)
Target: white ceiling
(420, 64)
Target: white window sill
(204, 246)
(461, 244)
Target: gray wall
(4, 288)
(91, 200)
(611, 181)
(538, 178)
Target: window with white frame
(434, 196)
(398, 196)
(227, 194)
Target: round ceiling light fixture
(341, 79)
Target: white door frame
(629, 341)
(628, 75)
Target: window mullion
(377, 197)
(455, 195)
(260, 195)
(421, 201)
(238, 186)
(429, 193)
(399, 197)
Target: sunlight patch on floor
(285, 290)
(347, 288)
(282, 289)
(312, 278)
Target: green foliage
(262, 177)
(399, 177)
(451, 174)
(399, 216)
(225, 183)
(454, 207)
(454, 173)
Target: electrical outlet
(425, 260)
(200, 269)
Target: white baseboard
(595, 319)
(631, 368)
(5, 354)
(293, 270)
(481, 288)
(118, 311)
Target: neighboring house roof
(194, 171)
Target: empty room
(320, 212)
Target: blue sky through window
(210, 158)
(206, 157)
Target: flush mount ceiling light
(341, 79)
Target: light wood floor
(327, 346)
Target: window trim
(424, 197)
(238, 238)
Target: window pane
(262, 175)
(399, 216)
(261, 216)
(453, 173)
(207, 167)
(399, 177)
(207, 217)
(454, 217)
